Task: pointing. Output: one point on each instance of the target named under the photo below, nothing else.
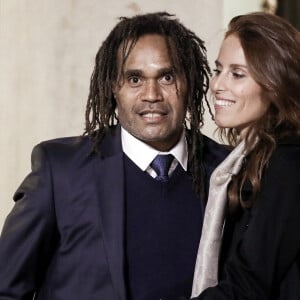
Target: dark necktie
(161, 165)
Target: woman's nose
(218, 83)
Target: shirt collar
(142, 154)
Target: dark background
(290, 10)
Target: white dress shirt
(142, 154)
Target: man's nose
(152, 91)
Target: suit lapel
(109, 175)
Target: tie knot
(161, 165)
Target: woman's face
(238, 98)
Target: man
(94, 220)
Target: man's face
(151, 100)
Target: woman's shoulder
(281, 178)
(289, 140)
(287, 153)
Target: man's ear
(114, 89)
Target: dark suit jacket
(261, 248)
(64, 238)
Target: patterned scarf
(206, 269)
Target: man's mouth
(153, 116)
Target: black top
(261, 246)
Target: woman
(257, 102)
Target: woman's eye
(238, 75)
(216, 72)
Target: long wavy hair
(272, 50)
(187, 53)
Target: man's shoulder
(72, 142)
(83, 144)
(62, 150)
(213, 153)
(213, 148)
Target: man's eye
(134, 80)
(168, 79)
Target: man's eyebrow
(167, 70)
(138, 72)
(132, 72)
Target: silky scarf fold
(207, 261)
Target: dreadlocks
(187, 53)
